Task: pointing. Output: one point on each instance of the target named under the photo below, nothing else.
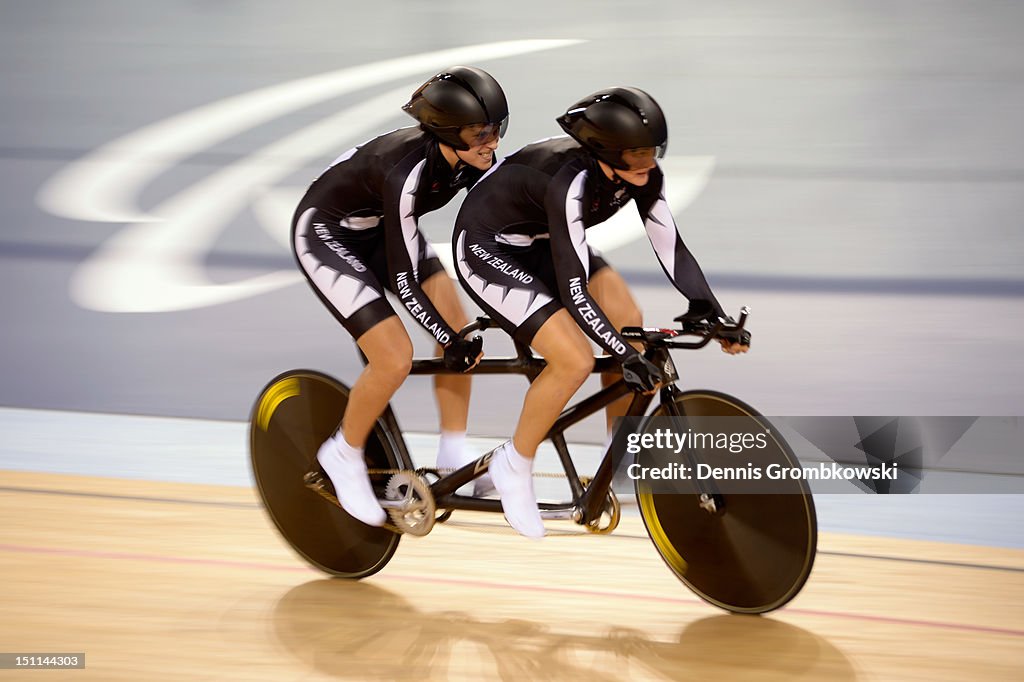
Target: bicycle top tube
(520, 364)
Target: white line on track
(216, 453)
(157, 266)
(174, 449)
(155, 263)
(103, 186)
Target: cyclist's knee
(575, 363)
(565, 348)
(388, 350)
(392, 368)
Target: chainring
(417, 515)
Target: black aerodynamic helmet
(457, 97)
(611, 121)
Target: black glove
(460, 354)
(741, 337)
(641, 374)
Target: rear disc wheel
(292, 417)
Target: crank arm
(314, 480)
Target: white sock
(518, 463)
(513, 478)
(451, 450)
(349, 452)
(346, 467)
(452, 453)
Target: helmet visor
(642, 158)
(483, 133)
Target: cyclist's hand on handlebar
(641, 374)
(462, 355)
(733, 347)
(734, 341)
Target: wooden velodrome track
(159, 581)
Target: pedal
(708, 503)
(321, 485)
(611, 512)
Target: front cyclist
(521, 253)
(355, 233)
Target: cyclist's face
(640, 162)
(482, 140)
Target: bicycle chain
(445, 472)
(614, 513)
(315, 482)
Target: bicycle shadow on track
(353, 630)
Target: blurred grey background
(854, 175)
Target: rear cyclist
(521, 253)
(355, 233)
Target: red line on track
(251, 565)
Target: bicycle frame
(753, 571)
(587, 502)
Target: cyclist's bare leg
(452, 390)
(614, 298)
(569, 362)
(388, 352)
